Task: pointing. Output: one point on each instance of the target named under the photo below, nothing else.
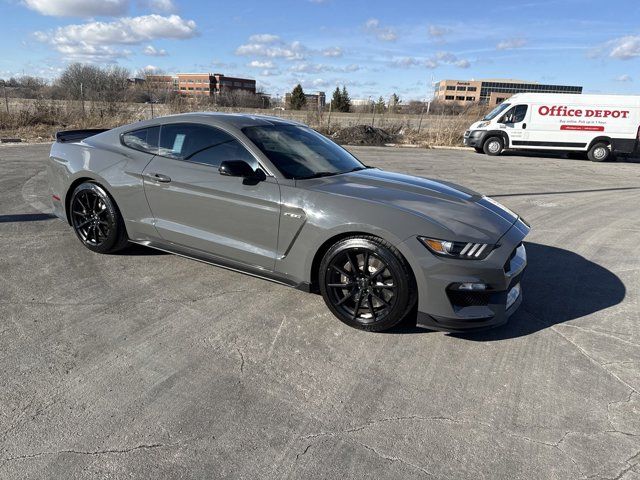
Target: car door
(197, 207)
(515, 124)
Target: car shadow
(574, 156)
(26, 217)
(558, 286)
(135, 249)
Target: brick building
(492, 92)
(201, 84)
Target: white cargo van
(599, 125)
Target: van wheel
(599, 152)
(478, 150)
(493, 146)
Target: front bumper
(441, 308)
(474, 138)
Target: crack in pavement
(555, 445)
(88, 452)
(591, 359)
(395, 459)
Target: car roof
(237, 120)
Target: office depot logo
(562, 111)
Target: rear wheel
(599, 152)
(96, 219)
(366, 283)
(493, 146)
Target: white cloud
(269, 73)
(624, 48)
(260, 64)
(150, 69)
(164, 6)
(154, 52)
(624, 78)
(386, 34)
(434, 61)
(92, 53)
(270, 46)
(437, 31)
(405, 62)
(79, 8)
(264, 38)
(332, 52)
(125, 31)
(96, 40)
(511, 43)
(307, 67)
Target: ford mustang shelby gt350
(277, 200)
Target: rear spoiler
(78, 135)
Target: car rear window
(144, 139)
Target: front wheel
(367, 283)
(493, 146)
(599, 152)
(96, 219)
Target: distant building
(492, 91)
(315, 101)
(161, 82)
(361, 102)
(201, 84)
(134, 81)
(196, 84)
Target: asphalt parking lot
(147, 365)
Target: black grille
(469, 299)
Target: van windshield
(497, 111)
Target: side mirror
(240, 168)
(236, 168)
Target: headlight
(482, 124)
(462, 250)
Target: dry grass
(38, 120)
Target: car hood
(465, 214)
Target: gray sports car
(277, 200)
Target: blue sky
(374, 47)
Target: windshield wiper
(318, 175)
(357, 169)
(329, 174)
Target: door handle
(524, 125)
(158, 177)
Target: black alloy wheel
(96, 220)
(366, 283)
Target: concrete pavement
(146, 365)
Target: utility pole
(6, 100)
(82, 98)
(373, 112)
(420, 122)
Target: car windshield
(299, 152)
(497, 111)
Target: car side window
(144, 139)
(202, 144)
(519, 113)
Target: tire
(599, 152)
(478, 150)
(493, 146)
(367, 283)
(96, 220)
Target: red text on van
(562, 111)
